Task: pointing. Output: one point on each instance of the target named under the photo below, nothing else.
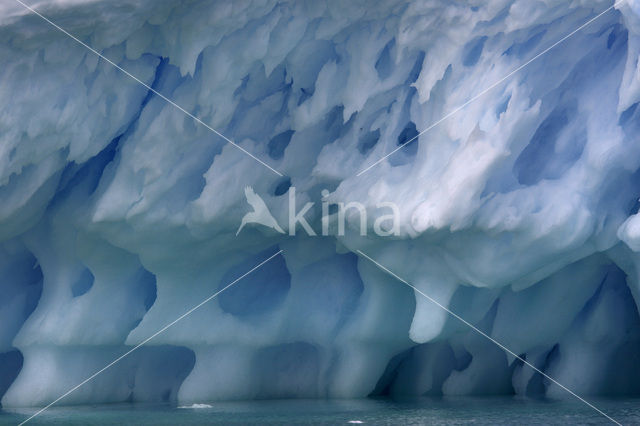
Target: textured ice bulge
(118, 212)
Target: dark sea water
(424, 411)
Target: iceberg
(120, 212)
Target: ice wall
(119, 212)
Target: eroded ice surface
(118, 212)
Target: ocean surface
(431, 411)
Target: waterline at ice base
(201, 138)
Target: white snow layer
(119, 212)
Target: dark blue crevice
(90, 172)
(537, 385)
(145, 289)
(611, 39)
(541, 158)
(384, 65)
(83, 284)
(20, 287)
(279, 143)
(282, 187)
(390, 374)
(618, 33)
(10, 366)
(260, 292)
(155, 85)
(408, 139)
(148, 287)
(304, 95)
(627, 114)
(415, 70)
(521, 49)
(21, 283)
(473, 51)
(368, 141)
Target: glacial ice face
(119, 212)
